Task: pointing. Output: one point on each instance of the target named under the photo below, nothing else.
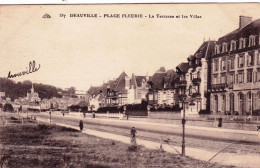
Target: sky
(84, 52)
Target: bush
(174, 108)
(256, 112)
(111, 109)
(8, 107)
(136, 107)
(204, 112)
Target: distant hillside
(15, 90)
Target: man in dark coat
(133, 138)
(81, 125)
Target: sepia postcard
(130, 85)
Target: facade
(137, 89)
(162, 88)
(120, 91)
(192, 86)
(235, 70)
(116, 93)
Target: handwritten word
(29, 70)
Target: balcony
(196, 81)
(181, 83)
(195, 95)
(181, 97)
(218, 87)
(230, 86)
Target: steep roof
(252, 28)
(205, 50)
(119, 84)
(183, 67)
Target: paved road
(191, 131)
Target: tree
(72, 90)
(8, 107)
(162, 69)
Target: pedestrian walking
(133, 136)
(258, 130)
(81, 125)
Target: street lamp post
(50, 116)
(183, 129)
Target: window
(240, 60)
(258, 75)
(182, 78)
(198, 61)
(233, 45)
(224, 47)
(249, 76)
(190, 90)
(232, 63)
(258, 58)
(223, 103)
(216, 65)
(249, 101)
(223, 64)
(251, 41)
(242, 43)
(198, 74)
(214, 80)
(250, 59)
(240, 77)
(232, 78)
(223, 79)
(217, 49)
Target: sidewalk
(248, 160)
(174, 125)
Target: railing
(219, 87)
(181, 83)
(196, 95)
(230, 86)
(196, 80)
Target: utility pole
(50, 116)
(183, 129)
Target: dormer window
(233, 45)
(198, 61)
(224, 47)
(242, 43)
(217, 49)
(251, 41)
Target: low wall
(164, 115)
(201, 120)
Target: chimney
(244, 20)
